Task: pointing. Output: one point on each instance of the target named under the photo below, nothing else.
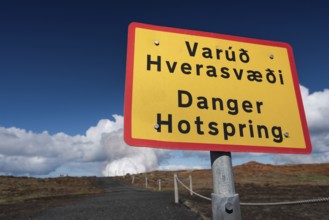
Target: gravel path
(121, 202)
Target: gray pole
(191, 185)
(225, 202)
(176, 188)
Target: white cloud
(33, 165)
(104, 126)
(173, 167)
(26, 153)
(316, 106)
(124, 159)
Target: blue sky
(63, 69)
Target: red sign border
(199, 146)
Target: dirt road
(120, 202)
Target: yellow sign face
(204, 91)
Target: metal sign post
(225, 202)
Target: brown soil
(21, 197)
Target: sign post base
(227, 208)
(225, 202)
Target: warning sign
(204, 91)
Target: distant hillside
(249, 173)
(254, 172)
